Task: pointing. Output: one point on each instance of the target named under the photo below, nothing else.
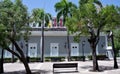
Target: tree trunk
(94, 57)
(92, 41)
(114, 53)
(23, 59)
(1, 62)
(28, 71)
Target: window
(74, 49)
(32, 50)
(54, 49)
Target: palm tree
(39, 16)
(64, 9)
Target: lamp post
(110, 35)
(83, 43)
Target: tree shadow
(23, 72)
(34, 71)
(59, 72)
(101, 68)
(15, 72)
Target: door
(74, 49)
(32, 50)
(54, 48)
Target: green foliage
(111, 15)
(14, 17)
(90, 19)
(39, 16)
(64, 8)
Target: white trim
(49, 33)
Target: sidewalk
(46, 68)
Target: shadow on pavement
(33, 72)
(40, 72)
(66, 72)
(101, 68)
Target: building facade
(55, 42)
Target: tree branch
(16, 54)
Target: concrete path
(46, 68)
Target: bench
(65, 65)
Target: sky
(48, 5)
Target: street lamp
(111, 36)
(83, 43)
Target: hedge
(77, 58)
(99, 57)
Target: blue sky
(48, 5)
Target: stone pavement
(46, 68)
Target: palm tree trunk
(1, 62)
(42, 43)
(68, 45)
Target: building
(55, 42)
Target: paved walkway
(46, 68)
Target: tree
(91, 19)
(13, 19)
(64, 9)
(42, 18)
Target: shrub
(8, 60)
(99, 57)
(77, 58)
(34, 59)
(54, 59)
